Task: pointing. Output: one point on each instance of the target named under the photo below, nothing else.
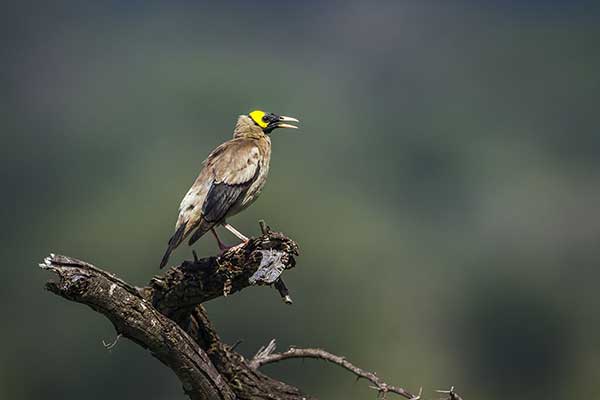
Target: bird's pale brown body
(241, 163)
(232, 178)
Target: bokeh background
(444, 187)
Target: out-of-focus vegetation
(444, 187)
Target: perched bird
(231, 179)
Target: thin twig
(266, 355)
(236, 344)
(452, 395)
(283, 291)
(110, 346)
(264, 228)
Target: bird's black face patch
(270, 118)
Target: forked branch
(136, 319)
(167, 318)
(267, 355)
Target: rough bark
(135, 318)
(167, 318)
(191, 283)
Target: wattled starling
(231, 179)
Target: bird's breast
(255, 189)
(263, 171)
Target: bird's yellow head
(269, 121)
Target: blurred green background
(444, 187)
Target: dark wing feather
(219, 200)
(233, 167)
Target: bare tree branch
(452, 395)
(173, 324)
(267, 355)
(249, 383)
(168, 319)
(260, 261)
(135, 318)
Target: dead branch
(266, 355)
(174, 326)
(167, 318)
(259, 262)
(136, 319)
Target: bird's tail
(202, 229)
(173, 243)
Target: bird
(231, 179)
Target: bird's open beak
(282, 119)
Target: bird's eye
(265, 118)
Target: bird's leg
(222, 246)
(235, 232)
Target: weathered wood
(247, 382)
(167, 318)
(267, 355)
(192, 283)
(135, 318)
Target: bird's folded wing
(234, 168)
